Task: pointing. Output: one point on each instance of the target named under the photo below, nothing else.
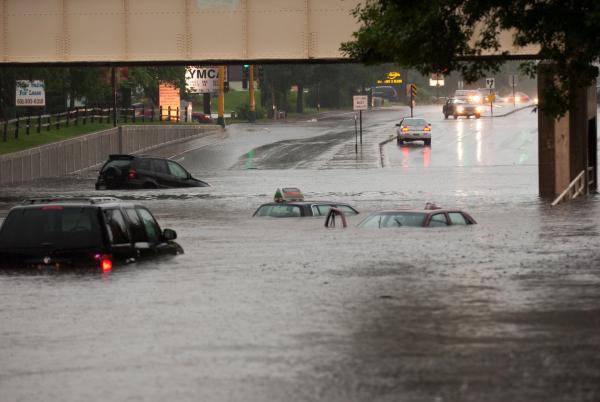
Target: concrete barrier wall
(64, 157)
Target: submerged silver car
(413, 129)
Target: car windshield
(393, 219)
(279, 211)
(53, 227)
(414, 122)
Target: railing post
(28, 123)
(133, 114)
(49, 122)
(160, 116)
(39, 126)
(143, 114)
(68, 117)
(84, 116)
(5, 135)
(58, 121)
(92, 116)
(17, 128)
(177, 114)
(169, 115)
(76, 116)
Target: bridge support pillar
(567, 145)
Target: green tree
(448, 35)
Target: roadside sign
(490, 82)
(436, 83)
(200, 80)
(360, 102)
(413, 89)
(392, 77)
(513, 80)
(30, 93)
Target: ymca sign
(199, 80)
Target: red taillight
(106, 264)
(404, 129)
(132, 174)
(426, 128)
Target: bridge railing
(579, 186)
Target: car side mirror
(397, 124)
(169, 234)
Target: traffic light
(245, 73)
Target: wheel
(399, 141)
(455, 116)
(477, 116)
(428, 142)
(445, 116)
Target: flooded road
(270, 310)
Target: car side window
(457, 218)
(152, 228)
(117, 228)
(438, 220)
(143, 164)
(347, 210)
(321, 210)
(176, 170)
(137, 228)
(159, 166)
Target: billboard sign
(30, 93)
(392, 77)
(200, 80)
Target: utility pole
(252, 104)
(221, 118)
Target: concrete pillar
(566, 146)
(553, 144)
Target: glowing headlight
(517, 99)
(476, 98)
(535, 100)
(460, 109)
(478, 109)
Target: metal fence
(64, 157)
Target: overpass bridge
(196, 32)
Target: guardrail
(580, 185)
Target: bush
(242, 112)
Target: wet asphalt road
(274, 310)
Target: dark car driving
(144, 171)
(457, 107)
(94, 232)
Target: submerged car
(456, 107)
(94, 232)
(430, 216)
(143, 171)
(413, 129)
(289, 203)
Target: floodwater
(284, 309)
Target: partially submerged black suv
(143, 171)
(94, 232)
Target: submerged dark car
(456, 107)
(289, 203)
(431, 216)
(94, 232)
(144, 171)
